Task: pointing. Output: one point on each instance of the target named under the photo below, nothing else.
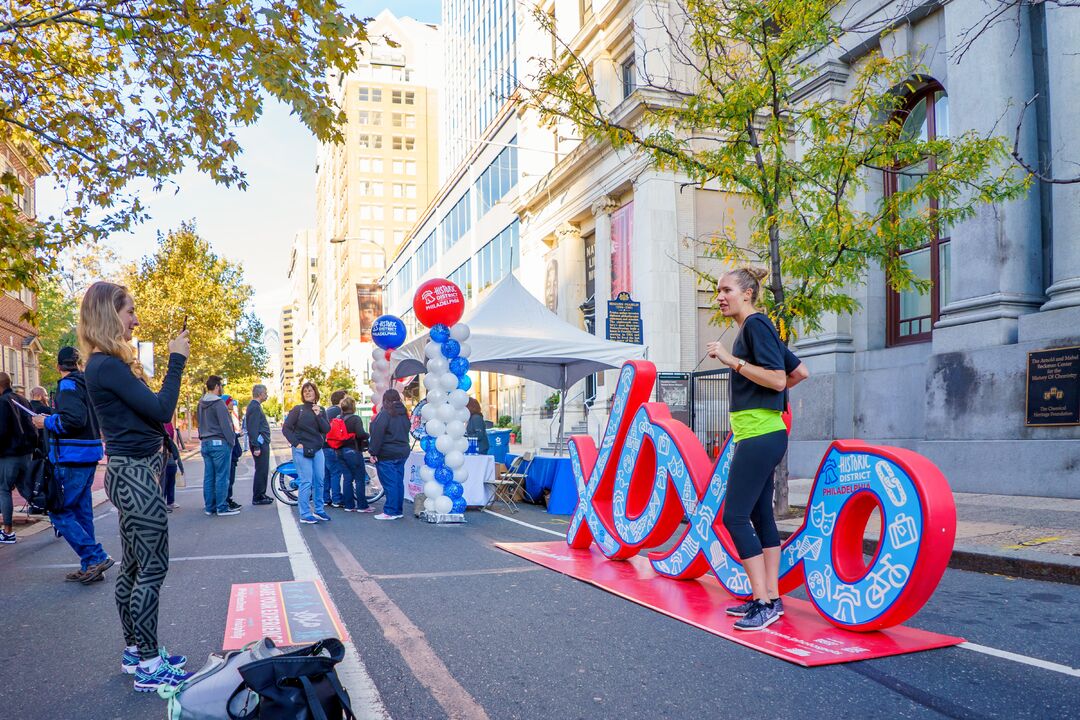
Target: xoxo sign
(651, 472)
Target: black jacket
(256, 426)
(355, 425)
(389, 438)
(477, 428)
(132, 416)
(74, 437)
(305, 428)
(17, 433)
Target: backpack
(339, 434)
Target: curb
(1019, 563)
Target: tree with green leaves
(341, 377)
(315, 374)
(117, 97)
(186, 279)
(56, 320)
(731, 100)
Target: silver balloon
(460, 332)
(454, 459)
(433, 350)
(445, 412)
(436, 397)
(459, 398)
(455, 428)
(435, 427)
(443, 504)
(445, 443)
(438, 365)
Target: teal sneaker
(166, 676)
(130, 660)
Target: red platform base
(801, 636)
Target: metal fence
(710, 393)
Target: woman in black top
(351, 457)
(305, 428)
(759, 383)
(131, 417)
(476, 427)
(388, 446)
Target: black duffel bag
(299, 685)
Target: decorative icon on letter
(902, 531)
(893, 488)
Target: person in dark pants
(168, 471)
(237, 450)
(131, 417)
(18, 438)
(334, 471)
(388, 446)
(217, 438)
(258, 431)
(351, 458)
(74, 447)
(759, 382)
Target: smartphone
(183, 329)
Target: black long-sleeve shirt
(130, 413)
(389, 438)
(355, 425)
(305, 428)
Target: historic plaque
(673, 389)
(1053, 387)
(624, 319)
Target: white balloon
(448, 381)
(438, 365)
(443, 504)
(461, 444)
(433, 489)
(433, 350)
(466, 350)
(446, 412)
(445, 443)
(435, 427)
(461, 475)
(454, 459)
(460, 332)
(463, 415)
(381, 365)
(436, 397)
(377, 353)
(429, 504)
(427, 474)
(428, 411)
(455, 428)
(459, 398)
(431, 381)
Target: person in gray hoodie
(217, 438)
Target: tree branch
(1033, 171)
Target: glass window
(629, 77)
(399, 214)
(410, 191)
(395, 97)
(410, 167)
(365, 164)
(376, 95)
(410, 97)
(377, 163)
(399, 167)
(912, 314)
(364, 94)
(410, 121)
(396, 119)
(398, 190)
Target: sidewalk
(1030, 537)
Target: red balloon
(388, 354)
(438, 301)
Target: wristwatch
(739, 366)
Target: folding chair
(505, 486)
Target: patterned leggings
(132, 486)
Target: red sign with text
(289, 613)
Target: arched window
(912, 314)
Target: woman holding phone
(305, 428)
(761, 372)
(132, 418)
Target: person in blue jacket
(73, 442)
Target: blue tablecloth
(554, 474)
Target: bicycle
(284, 484)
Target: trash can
(498, 444)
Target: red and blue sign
(290, 613)
(650, 472)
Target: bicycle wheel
(281, 487)
(375, 490)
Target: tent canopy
(513, 333)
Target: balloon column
(388, 334)
(439, 304)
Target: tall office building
(286, 366)
(370, 189)
(480, 38)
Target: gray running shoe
(759, 617)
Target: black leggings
(748, 513)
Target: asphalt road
(446, 625)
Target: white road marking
(1023, 659)
(1003, 654)
(366, 703)
(251, 556)
(519, 522)
(456, 573)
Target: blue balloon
(434, 459)
(444, 475)
(453, 490)
(464, 383)
(451, 348)
(427, 443)
(388, 332)
(459, 365)
(459, 505)
(440, 333)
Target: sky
(254, 227)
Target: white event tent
(513, 333)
